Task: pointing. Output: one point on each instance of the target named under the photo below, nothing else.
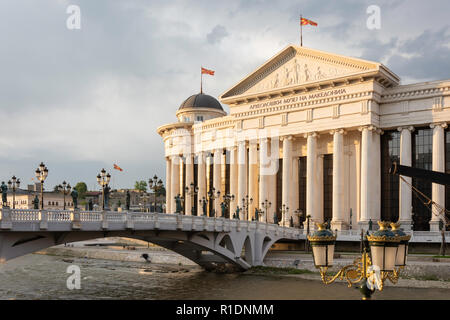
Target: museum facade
(312, 134)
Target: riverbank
(421, 271)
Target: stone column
(233, 180)
(253, 178)
(168, 184)
(366, 142)
(201, 180)
(264, 162)
(242, 176)
(370, 176)
(311, 165)
(189, 179)
(175, 189)
(217, 180)
(405, 192)
(272, 179)
(294, 192)
(438, 190)
(338, 221)
(287, 177)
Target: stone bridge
(210, 242)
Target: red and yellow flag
(117, 167)
(304, 22)
(206, 71)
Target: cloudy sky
(81, 100)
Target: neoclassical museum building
(312, 134)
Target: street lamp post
(65, 189)
(203, 203)
(213, 195)
(227, 198)
(192, 191)
(245, 204)
(266, 205)
(284, 213)
(13, 185)
(156, 185)
(387, 257)
(103, 180)
(41, 175)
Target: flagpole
(301, 31)
(201, 79)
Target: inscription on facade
(301, 98)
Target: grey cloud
(217, 34)
(80, 100)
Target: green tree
(141, 185)
(81, 188)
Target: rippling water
(44, 277)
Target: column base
(434, 226)
(406, 225)
(339, 225)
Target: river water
(44, 277)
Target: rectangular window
(199, 118)
(422, 150)
(328, 187)
(390, 151)
(302, 187)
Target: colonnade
(250, 177)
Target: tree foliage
(141, 185)
(81, 188)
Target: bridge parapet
(66, 220)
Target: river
(44, 277)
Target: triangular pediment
(296, 66)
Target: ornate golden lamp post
(388, 252)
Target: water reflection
(44, 277)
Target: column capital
(263, 140)
(438, 124)
(286, 137)
(340, 131)
(371, 128)
(312, 134)
(410, 128)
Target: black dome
(201, 100)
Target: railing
(59, 216)
(24, 215)
(75, 218)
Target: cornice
(416, 91)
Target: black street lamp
(13, 185)
(203, 203)
(213, 195)
(192, 191)
(245, 203)
(41, 175)
(266, 205)
(227, 198)
(284, 213)
(156, 185)
(103, 180)
(65, 189)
